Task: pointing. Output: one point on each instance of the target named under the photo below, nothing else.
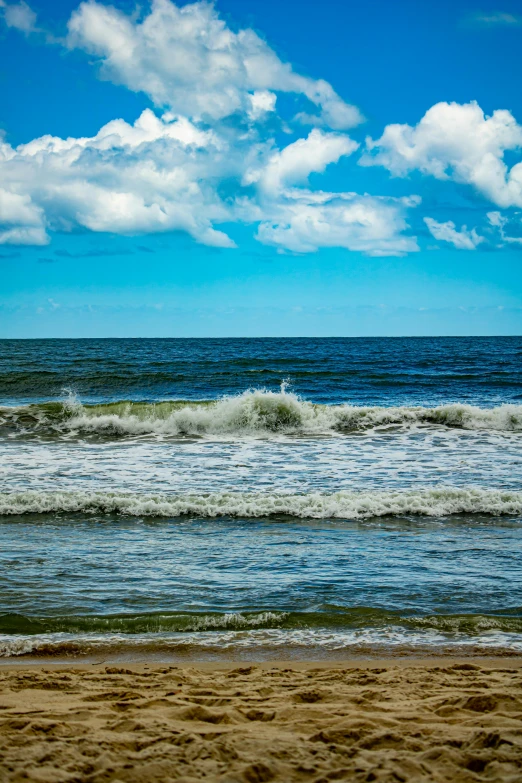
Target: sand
(389, 721)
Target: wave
(255, 412)
(263, 644)
(440, 502)
(263, 634)
(158, 622)
(197, 622)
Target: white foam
(440, 502)
(232, 620)
(254, 412)
(268, 642)
(261, 412)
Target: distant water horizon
(254, 498)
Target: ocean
(257, 499)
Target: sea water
(256, 499)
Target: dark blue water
(260, 498)
(366, 371)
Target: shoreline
(514, 659)
(242, 648)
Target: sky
(260, 168)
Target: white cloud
(21, 221)
(454, 141)
(19, 15)
(24, 235)
(187, 58)
(494, 19)
(187, 169)
(262, 102)
(503, 224)
(304, 222)
(162, 174)
(18, 209)
(495, 219)
(293, 164)
(447, 232)
(299, 220)
(155, 175)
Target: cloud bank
(208, 154)
(213, 90)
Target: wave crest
(254, 412)
(330, 617)
(441, 502)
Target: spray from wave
(441, 502)
(256, 412)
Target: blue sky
(260, 168)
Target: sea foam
(440, 502)
(256, 412)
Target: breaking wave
(332, 617)
(158, 622)
(254, 412)
(440, 502)
(264, 644)
(265, 634)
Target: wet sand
(433, 720)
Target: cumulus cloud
(161, 174)
(24, 235)
(454, 141)
(305, 222)
(187, 59)
(182, 167)
(300, 220)
(19, 15)
(206, 156)
(18, 209)
(293, 164)
(21, 221)
(155, 175)
(261, 103)
(447, 232)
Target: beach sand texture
(399, 721)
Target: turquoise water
(256, 499)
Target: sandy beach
(436, 720)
